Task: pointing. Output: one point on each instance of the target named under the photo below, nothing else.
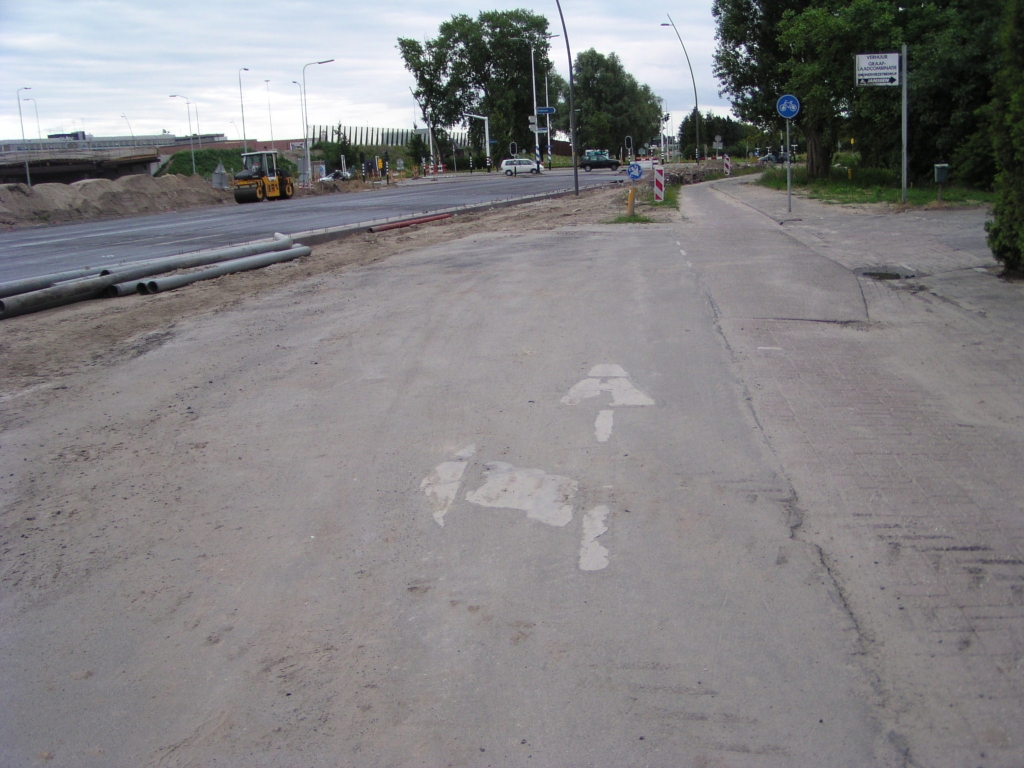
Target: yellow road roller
(261, 180)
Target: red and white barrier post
(659, 185)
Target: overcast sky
(90, 62)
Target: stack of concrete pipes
(20, 297)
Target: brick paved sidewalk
(902, 437)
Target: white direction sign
(878, 69)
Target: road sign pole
(906, 78)
(789, 171)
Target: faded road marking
(442, 485)
(603, 426)
(542, 496)
(593, 556)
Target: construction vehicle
(261, 179)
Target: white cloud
(90, 61)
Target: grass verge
(871, 185)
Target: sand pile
(101, 198)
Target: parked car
(598, 158)
(338, 175)
(520, 165)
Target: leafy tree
(481, 66)
(611, 104)
(734, 133)
(769, 47)
(1006, 231)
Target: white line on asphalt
(682, 252)
(542, 496)
(442, 485)
(603, 426)
(776, 349)
(594, 557)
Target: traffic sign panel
(788, 106)
(635, 171)
(545, 110)
(878, 69)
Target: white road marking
(442, 485)
(542, 496)
(603, 426)
(623, 392)
(683, 253)
(593, 556)
(606, 371)
(776, 349)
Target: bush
(1006, 231)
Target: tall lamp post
(199, 131)
(39, 132)
(696, 106)
(270, 114)
(191, 148)
(305, 111)
(302, 115)
(17, 95)
(572, 105)
(241, 104)
(134, 143)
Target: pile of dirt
(99, 198)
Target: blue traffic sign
(635, 171)
(788, 106)
(545, 110)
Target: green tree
(481, 66)
(734, 133)
(769, 47)
(611, 104)
(1006, 231)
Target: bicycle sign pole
(788, 107)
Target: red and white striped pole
(659, 185)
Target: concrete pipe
(95, 287)
(166, 264)
(162, 284)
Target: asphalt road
(44, 250)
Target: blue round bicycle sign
(788, 106)
(635, 171)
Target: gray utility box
(942, 173)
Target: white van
(520, 165)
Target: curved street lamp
(191, 147)
(696, 106)
(17, 95)
(245, 144)
(305, 111)
(270, 114)
(134, 143)
(302, 115)
(572, 106)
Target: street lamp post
(134, 143)
(241, 104)
(17, 95)
(39, 132)
(533, 85)
(270, 114)
(302, 115)
(305, 110)
(696, 106)
(199, 131)
(191, 148)
(572, 105)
